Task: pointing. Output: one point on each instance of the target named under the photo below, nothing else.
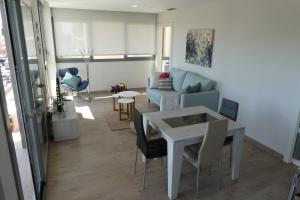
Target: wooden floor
(99, 165)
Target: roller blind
(106, 32)
(141, 38)
(108, 38)
(71, 38)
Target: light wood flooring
(99, 165)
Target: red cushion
(164, 75)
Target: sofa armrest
(208, 99)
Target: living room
(254, 63)
(139, 86)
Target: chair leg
(220, 180)
(197, 189)
(230, 156)
(88, 93)
(162, 162)
(145, 173)
(136, 156)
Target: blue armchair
(83, 85)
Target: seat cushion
(71, 80)
(155, 94)
(178, 76)
(193, 78)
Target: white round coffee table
(124, 94)
(129, 111)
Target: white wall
(256, 61)
(105, 74)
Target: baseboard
(265, 148)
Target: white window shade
(106, 32)
(108, 38)
(71, 38)
(141, 39)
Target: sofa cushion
(154, 78)
(155, 94)
(193, 88)
(192, 79)
(165, 84)
(178, 76)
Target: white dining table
(179, 137)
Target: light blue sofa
(208, 97)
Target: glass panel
(37, 78)
(189, 120)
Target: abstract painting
(199, 47)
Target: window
(111, 35)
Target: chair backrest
(212, 144)
(141, 140)
(71, 70)
(229, 109)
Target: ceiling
(147, 6)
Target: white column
(48, 34)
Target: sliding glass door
(24, 33)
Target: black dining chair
(230, 110)
(156, 148)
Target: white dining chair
(210, 150)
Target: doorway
(164, 48)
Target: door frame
(15, 30)
(8, 152)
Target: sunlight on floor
(85, 111)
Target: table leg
(114, 104)
(175, 156)
(237, 149)
(131, 111)
(127, 111)
(120, 112)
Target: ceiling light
(134, 6)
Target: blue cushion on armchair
(71, 80)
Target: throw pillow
(154, 78)
(165, 84)
(164, 75)
(191, 89)
(194, 88)
(71, 80)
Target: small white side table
(129, 111)
(124, 94)
(65, 124)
